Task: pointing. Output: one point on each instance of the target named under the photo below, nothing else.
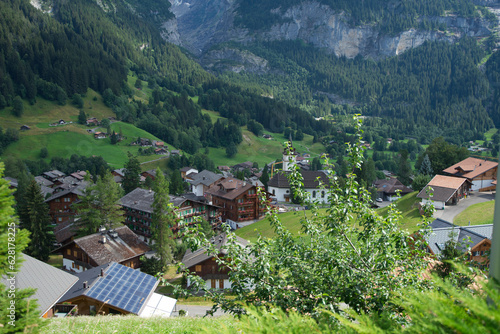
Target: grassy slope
(133, 324)
(291, 220)
(477, 214)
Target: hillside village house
(446, 190)
(60, 204)
(391, 190)
(186, 171)
(138, 210)
(201, 182)
(115, 289)
(476, 238)
(204, 265)
(120, 245)
(481, 173)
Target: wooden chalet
(481, 173)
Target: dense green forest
(438, 89)
(392, 16)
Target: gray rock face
(228, 59)
(204, 23)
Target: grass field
(477, 214)
(408, 205)
(74, 139)
(134, 324)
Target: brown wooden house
(204, 265)
(60, 204)
(481, 173)
(120, 245)
(237, 200)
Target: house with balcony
(446, 190)
(201, 182)
(237, 200)
(139, 211)
(61, 203)
(480, 172)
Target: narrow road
(450, 212)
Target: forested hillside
(393, 16)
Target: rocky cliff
(204, 23)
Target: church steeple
(289, 154)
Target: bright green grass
(490, 133)
(477, 214)
(408, 205)
(134, 324)
(263, 151)
(73, 139)
(291, 221)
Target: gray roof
(50, 283)
(12, 181)
(142, 199)
(78, 190)
(205, 177)
(193, 258)
(43, 181)
(120, 171)
(438, 193)
(310, 179)
(391, 186)
(443, 230)
(54, 174)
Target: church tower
(289, 157)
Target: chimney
(103, 239)
(85, 285)
(102, 272)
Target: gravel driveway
(450, 212)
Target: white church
(279, 187)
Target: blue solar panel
(123, 287)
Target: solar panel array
(123, 287)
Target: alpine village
(249, 166)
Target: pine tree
(163, 219)
(404, 168)
(131, 178)
(426, 167)
(100, 206)
(35, 218)
(176, 186)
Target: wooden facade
(60, 208)
(244, 207)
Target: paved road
(450, 212)
(195, 310)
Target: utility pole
(495, 239)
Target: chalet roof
(205, 177)
(54, 174)
(120, 171)
(120, 287)
(443, 187)
(391, 186)
(80, 175)
(185, 169)
(125, 246)
(43, 181)
(142, 200)
(64, 231)
(230, 188)
(243, 165)
(280, 180)
(442, 231)
(50, 283)
(78, 190)
(191, 258)
(471, 167)
(150, 172)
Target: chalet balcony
(246, 203)
(251, 195)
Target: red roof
(471, 167)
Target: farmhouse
(204, 265)
(481, 173)
(115, 289)
(99, 135)
(119, 245)
(161, 151)
(92, 122)
(186, 171)
(446, 190)
(60, 203)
